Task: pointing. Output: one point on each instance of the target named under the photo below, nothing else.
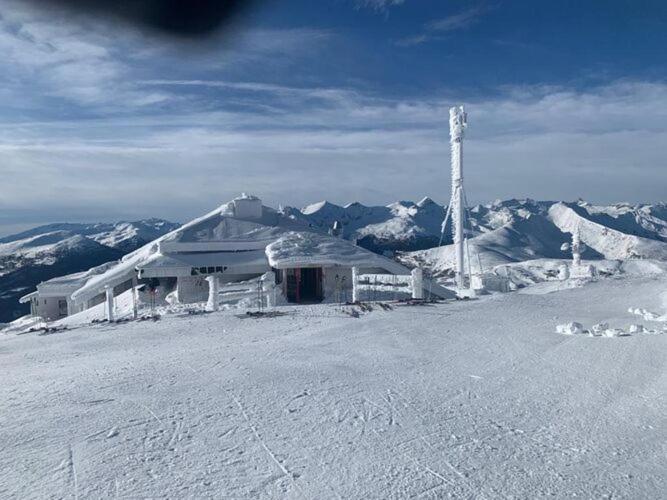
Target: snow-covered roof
(218, 231)
(296, 249)
(26, 298)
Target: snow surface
(468, 399)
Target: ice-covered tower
(457, 125)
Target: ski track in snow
(477, 399)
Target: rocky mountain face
(42, 253)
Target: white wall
(191, 289)
(329, 287)
(49, 309)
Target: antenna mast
(457, 125)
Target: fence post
(213, 291)
(417, 283)
(355, 287)
(109, 292)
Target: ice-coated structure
(238, 241)
(457, 126)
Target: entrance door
(303, 284)
(311, 284)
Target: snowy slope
(126, 236)
(609, 242)
(408, 226)
(403, 225)
(45, 252)
(468, 399)
(518, 230)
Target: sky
(345, 100)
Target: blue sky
(339, 99)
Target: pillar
(417, 283)
(213, 303)
(110, 311)
(355, 286)
(269, 288)
(135, 311)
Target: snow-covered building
(52, 300)
(236, 242)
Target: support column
(269, 286)
(417, 283)
(135, 311)
(213, 303)
(110, 305)
(576, 248)
(355, 287)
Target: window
(211, 270)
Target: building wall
(191, 289)
(49, 308)
(337, 284)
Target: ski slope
(470, 399)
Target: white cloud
(433, 30)
(604, 144)
(144, 145)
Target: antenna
(458, 122)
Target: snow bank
(570, 328)
(23, 324)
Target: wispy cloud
(378, 5)
(433, 30)
(543, 142)
(457, 21)
(96, 67)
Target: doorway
(303, 285)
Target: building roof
(219, 231)
(298, 249)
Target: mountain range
(512, 229)
(44, 252)
(502, 232)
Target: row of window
(197, 271)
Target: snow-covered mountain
(519, 230)
(507, 230)
(400, 226)
(124, 236)
(502, 232)
(45, 252)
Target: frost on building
(52, 300)
(239, 241)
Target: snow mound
(648, 315)
(572, 328)
(23, 324)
